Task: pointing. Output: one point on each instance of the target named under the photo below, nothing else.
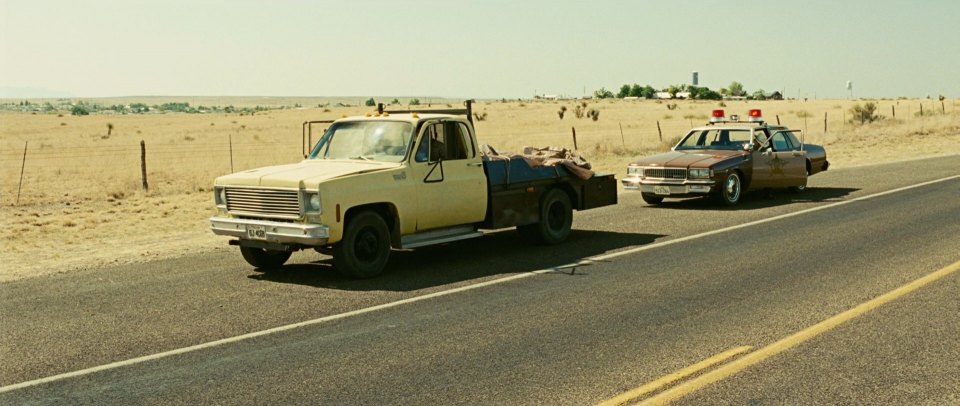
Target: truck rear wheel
(365, 248)
(556, 218)
(264, 259)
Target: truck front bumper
(272, 231)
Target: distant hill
(238, 101)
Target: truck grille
(274, 203)
(665, 173)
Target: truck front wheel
(365, 247)
(264, 259)
(556, 218)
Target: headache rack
(468, 111)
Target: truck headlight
(700, 173)
(634, 170)
(311, 202)
(220, 195)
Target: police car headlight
(634, 170)
(700, 173)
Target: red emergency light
(755, 113)
(717, 116)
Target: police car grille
(273, 203)
(665, 173)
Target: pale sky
(478, 49)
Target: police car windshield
(380, 140)
(715, 138)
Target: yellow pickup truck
(396, 179)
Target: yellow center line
(675, 376)
(794, 340)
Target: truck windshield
(385, 141)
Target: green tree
(80, 110)
(736, 89)
(636, 91)
(415, 102)
(602, 93)
(649, 92)
(673, 89)
(759, 95)
(703, 93)
(624, 91)
(371, 102)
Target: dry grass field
(81, 203)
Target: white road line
(279, 329)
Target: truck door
(776, 163)
(451, 185)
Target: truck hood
(700, 158)
(309, 171)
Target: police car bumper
(683, 188)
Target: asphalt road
(557, 337)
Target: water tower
(696, 78)
(850, 88)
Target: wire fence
(36, 171)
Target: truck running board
(439, 236)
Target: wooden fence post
(622, 141)
(143, 164)
(574, 129)
(230, 135)
(659, 131)
(22, 166)
(778, 119)
(893, 111)
(824, 122)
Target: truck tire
(556, 218)
(264, 259)
(365, 248)
(731, 189)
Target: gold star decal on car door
(776, 165)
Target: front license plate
(661, 190)
(256, 232)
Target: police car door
(775, 163)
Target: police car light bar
(756, 115)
